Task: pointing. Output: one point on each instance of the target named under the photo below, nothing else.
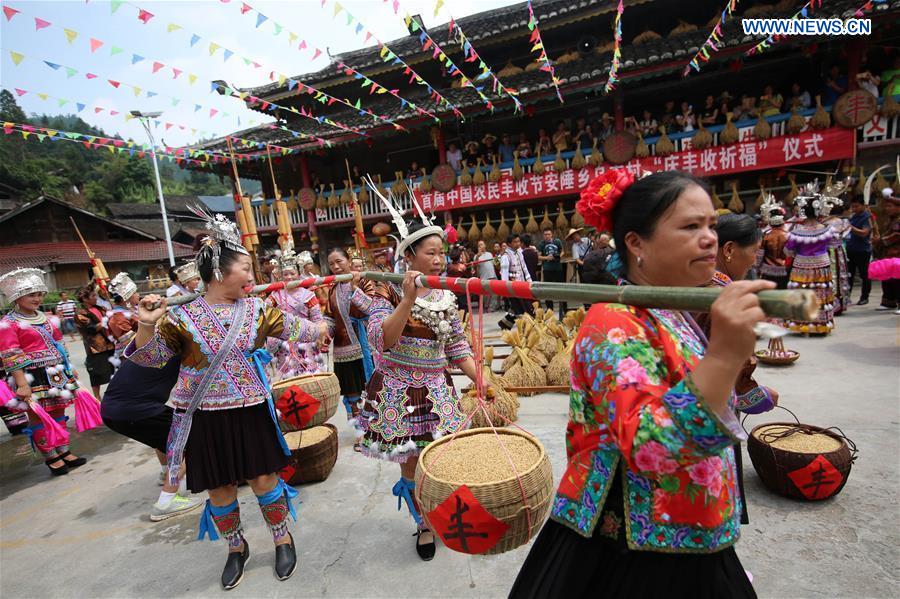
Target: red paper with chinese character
(287, 473)
(297, 407)
(817, 480)
(464, 525)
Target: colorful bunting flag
(70, 35)
(714, 36)
(9, 12)
(539, 45)
(40, 24)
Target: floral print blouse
(633, 406)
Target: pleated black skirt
(227, 447)
(351, 376)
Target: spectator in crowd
(580, 248)
(667, 119)
(506, 149)
(724, 108)
(605, 128)
(523, 149)
(747, 108)
(594, 268)
(769, 102)
(686, 120)
(859, 247)
(583, 134)
(799, 97)
(631, 125)
(710, 114)
(65, 310)
(91, 321)
(488, 149)
(868, 82)
(484, 265)
(543, 145)
(473, 154)
(531, 254)
(561, 137)
(890, 79)
(648, 125)
(454, 156)
(552, 268)
(512, 268)
(415, 171)
(835, 85)
(382, 260)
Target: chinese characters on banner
(809, 146)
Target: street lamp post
(144, 118)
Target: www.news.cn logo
(769, 27)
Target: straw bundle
(596, 157)
(664, 145)
(717, 201)
(879, 184)
(509, 70)
(489, 233)
(735, 204)
(465, 176)
(762, 129)
(820, 119)
(346, 197)
(425, 186)
(578, 161)
(703, 138)
(682, 27)
(474, 233)
(517, 227)
(559, 369)
(794, 191)
(641, 150)
(562, 223)
(861, 183)
(538, 168)
(643, 38)
(729, 134)
(533, 66)
(796, 123)
(363, 196)
(333, 201)
(461, 234)
(568, 57)
(380, 187)
(532, 226)
(517, 171)
(494, 175)
(757, 205)
(525, 372)
(607, 47)
(546, 223)
(503, 229)
(478, 177)
(321, 203)
(502, 406)
(265, 209)
(577, 220)
(544, 321)
(398, 187)
(292, 204)
(559, 164)
(890, 108)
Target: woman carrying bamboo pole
(648, 504)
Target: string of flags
(862, 10)
(613, 77)
(377, 88)
(538, 46)
(714, 40)
(770, 41)
(472, 56)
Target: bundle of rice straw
(796, 123)
(525, 324)
(363, 196)
(546, 223)
(503, 229)
(578, 161)
(494, 175)
(879, 184)
(424, 187)
(577, 220)
(292, 204)
(333, 201)
(346, 198)
(890, 108)
(478, 177)
(532, 226)
(664, 145)
(538, 168)
(474, 232)
(509, 70)
(562, 223)
(735, 204)
(525, 372)
(604, 48)
(488, 233)
(399, 184)
(762, 129)
(559, 369)
(794, 191)
(501, 405)
(641, 150)
(321, 202)
(682, 27)
(717, 201)
(517, 171)
(461, 232)
(702, 138)
(559, 164)
(730, 133)
(596, 157)
(380, 186)
(643, 38)
(759, 199)
(820, 119)
(465, 177)
(517, 227)
(543, 321)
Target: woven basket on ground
(812, 463)
(306, 401)
(519, 502)
(311, 462)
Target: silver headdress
(406, 238)
(123, 286)
(21, 282)
(187, 272)
(821, 201)
(221, 232)
(772, 211)
(304, 258)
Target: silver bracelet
(147, 324)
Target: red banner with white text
(835, 143)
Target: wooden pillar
(441, 146)
(311, 213)
(619, 109)
(856, 48)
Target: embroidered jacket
(809, 245)
(122, 324)
(345, 303)
(195, 332)
(93, 331)
(27, 346)
(633, 406)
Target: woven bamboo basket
(324, 388)
(807, 475)
(767, 357)
(502, 499)
(311, 463)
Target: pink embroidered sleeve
(11, 353)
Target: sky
(109, 40)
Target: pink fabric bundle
(55, 433)
(883, 270)
(6, 393)
(87, 411)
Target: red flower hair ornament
(599, 198)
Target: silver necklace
(436, 314)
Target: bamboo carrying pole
(97, 266)
(178, 300)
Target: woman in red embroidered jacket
(648, 505)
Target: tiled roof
(174, 203)
(33, 255)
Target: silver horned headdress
(772, 211)
(221, 232)
(406, 238)
(821, 201)
(123, 286)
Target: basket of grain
(484, 490)
(314, 452)
(306, 401)
(801, 461)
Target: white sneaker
(177, 506)
(884, 309)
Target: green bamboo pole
(269, 287)
(791, 304)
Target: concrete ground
(88, 534)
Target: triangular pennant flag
(52, 65)
(144, 16)
(62, 102)
(245, 8)
(157, 66)
(292, 38)
(79, 106)
(151, 94)
(175, 73)
(137, 90)
(212, 112)
(70, 72)
(113, 112)
(277, 28)
(10, 12)
(173, 27)
(43, 96)
(337, 9)
(192, 78)
(437, 7)
(175, 101)
(95, 43)
(40, 24)
(194, 39)
(228, 54)
(113, 83)
(197, 107)
(20, 92)
(70, 35)
(213, 46)
(114, 50)
(16, 57)
(136, 58)
(114, 5)
(260, 18)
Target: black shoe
(863, 301)
(233, 573)
(425, 550)
(74, 462)
(285, 560)
(58, 471)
